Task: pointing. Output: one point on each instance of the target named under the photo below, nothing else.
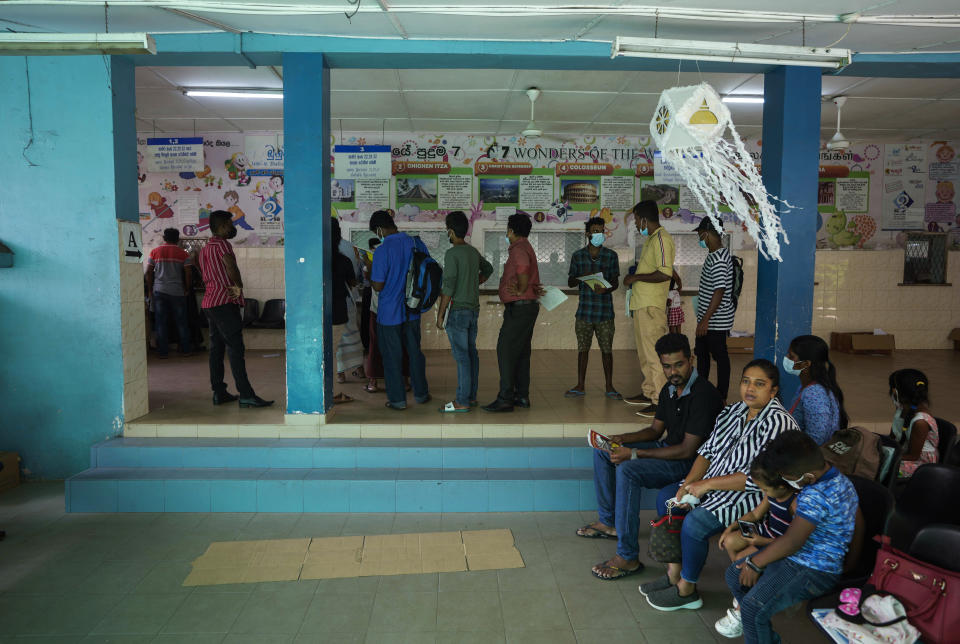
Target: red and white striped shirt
(215, 274)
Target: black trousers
(714, 344)
(513, 350)
(226, 336)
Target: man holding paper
(650, 284)
(597, 271)
(665, 451)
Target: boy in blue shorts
(808, 559)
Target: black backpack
(424, 279)
(737, 279)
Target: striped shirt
(717, 272)
(215, 274)
(778, 517)
(731, 448)
(168, 261)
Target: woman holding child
(718, 481)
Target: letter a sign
(131, 242)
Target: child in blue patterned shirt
(808, 559)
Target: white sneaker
(730, 626)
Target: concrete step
(557, 453)
(110, 489)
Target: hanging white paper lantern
(688, 127)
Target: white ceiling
(486, 101)
(818, 25)
(492, 101)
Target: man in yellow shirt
(650, 284)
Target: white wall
(855, 291)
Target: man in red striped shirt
(222, 303)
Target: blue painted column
(68, 162)
(306, 131)
(791, 144)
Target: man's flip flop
(614, 394)
(620, 573)
(450, 408)
(597, 534)
(573, 393)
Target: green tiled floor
(117, 578)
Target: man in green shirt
(464, 270)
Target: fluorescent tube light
(830, 58)
(742, 99)
(230, 93)
(41, 44)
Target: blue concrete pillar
(306, 131)
(791, 144)
(68, 162)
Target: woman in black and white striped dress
(719, 480)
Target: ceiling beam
(393, 19)
(201, 19)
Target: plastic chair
(924, 500)
(938, 544)
(948, 437)
(273, 316)
(876, 504)
(953, 458)
(251, 311)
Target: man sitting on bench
(653, 457)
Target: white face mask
(794, 484)
(379, 234)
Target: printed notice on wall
(188, 211)
(175, 155)
(617, 192)
(454, 191)
(264, 151)
(362, 162)
(536, 192)
(373, 192)
(902, 205)
(663, 172)
(689, 201)
(853, 195)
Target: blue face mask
(597, 239)
(703, 244)
(644, 231)
(789, 366)
(507, 237)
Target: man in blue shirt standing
(397, 326)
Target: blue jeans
(393, 339)
(619, 488)
(698, 526)
(462, 332)
(783, 584)
(164, 306)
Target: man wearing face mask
(650, 286)
(464, 270)
(595, 310)
(398, 328)
(519, 288)
(715, 309)
(222, 303)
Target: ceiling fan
(532, 131)
(839, 141)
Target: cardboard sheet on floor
(236, 562)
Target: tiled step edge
(345, 453)
(332, 490)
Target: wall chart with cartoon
(868, 195)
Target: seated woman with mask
(818, 406)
